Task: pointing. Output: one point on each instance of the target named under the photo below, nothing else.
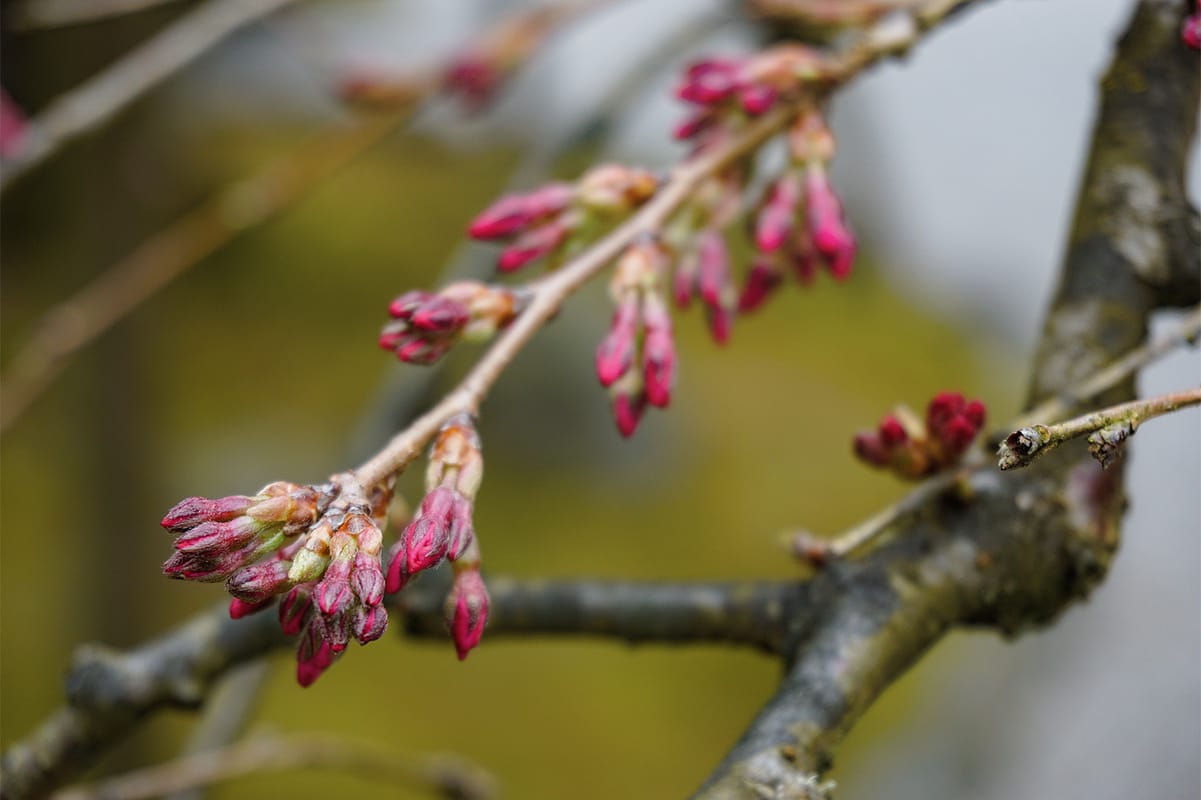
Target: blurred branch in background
(444, 775)
(103, 96)
(244, 205)
(30, 15)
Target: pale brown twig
(68, 327)
(448, 776)
(104, 95)
(1109, 428)
(548, 294)
(31, 15)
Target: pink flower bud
(367, 579)
(694, 125)
(709, 82)
(505, 217)
(628, 410)
(615, 354)
(827, 224)
(892, 433)
(192, 511)
(943, 407)
(211, 538)
(294, 609)
(398, 569)
(762, 280)
(333, 628)
(1190, 31)
(777, 215)
(757, 99)
(462, 530)
(475, 78)
(869, 448)
(721, 320)
(658, 353)
(14, 129)
(333, 596)
(404, 305)
(241, 608)
(713, 269)
(369, 623)
(533, 245)
(426, 543)
(467, 610)
(261, 581)
(440, 315)
(313, 657)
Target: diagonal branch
(105, 95)
(1025, 545)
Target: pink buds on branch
(426, 325)
(912, 449)
(540, 223)
(442, 528)
(636, 361)
(318, 547)
(812, 148)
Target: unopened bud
(467, 608)
(369, 623)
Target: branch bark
(1024, 546)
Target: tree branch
(1024, 545)
(103, 96)
(109, 692)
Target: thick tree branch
(1023, 546)
(109, 692)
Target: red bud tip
(659, 366)
(532, 246)
(240, 608)
(369, 623)
(1190, 31)
(831, 236)
(192, 511)
(467, 608)
(761, 282)
(628, 411)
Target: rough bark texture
(1013, 550)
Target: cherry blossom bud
(258, 582)
(912, 448)
(426, 542)
(762, 280)
(14, 129)
(398, 568)
(709, 82)
(367, 579)
(515, 213)
(777, 214)
(684, 281)
(713, 271)
(216, 537)
(192, 511)
(369, 623)
(294, 609)
(475, 78)
(694, 125)
(615, 188)
(467, 610)
(616, 352)
(658, 352)
(757, 99)
(313, 657)
(827, 225)
(628, 398)
(1190, 31)
(241, 608)
(533, 245)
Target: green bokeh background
(260, 364)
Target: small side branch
(444, 775)
(103, 96)
(1109, 428)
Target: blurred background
(959, 168)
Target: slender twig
(444, 775)
(1186, 332)
(1109, 428)
(101, 97)
(30, 15)
(549, 293)
(71, 325)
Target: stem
(1109, 428)
(103, 96)
(550, 292)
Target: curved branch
(1022, 546)
(109, 691)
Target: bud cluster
(318, 547)
(636, 361)
(425, 325)
(443, 527)
(542, 222)
(913, 449)
(728, 89)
